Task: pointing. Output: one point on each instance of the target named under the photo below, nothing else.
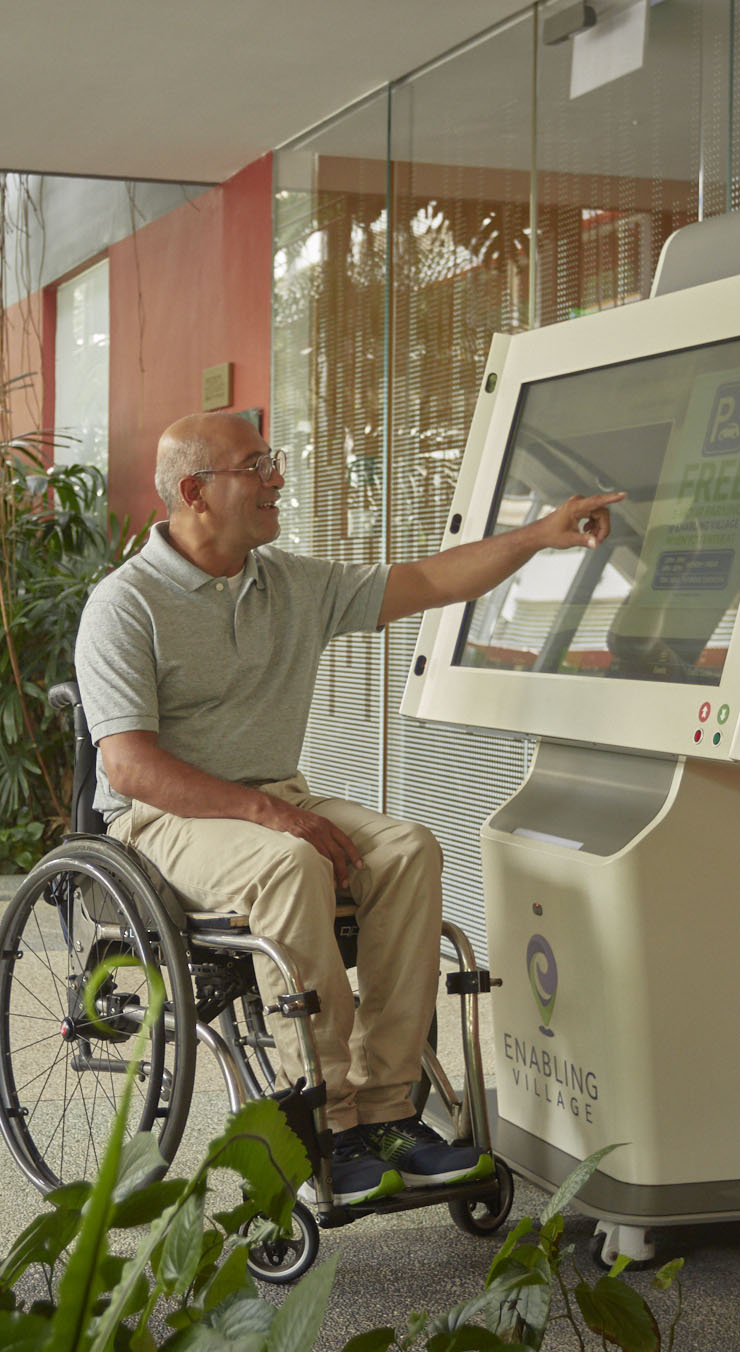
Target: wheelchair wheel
(61, 1077)
(280, 1258)
(244, 1029)
(483, 1215)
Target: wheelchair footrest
(409, 1200)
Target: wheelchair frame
(93, 897)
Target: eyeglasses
(266, 466)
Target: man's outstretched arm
(468, 571)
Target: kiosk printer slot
(611, 876)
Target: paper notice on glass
(614, 47)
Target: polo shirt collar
(161, 556)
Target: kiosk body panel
(617, 1018)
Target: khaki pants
(370, 1056)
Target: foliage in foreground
(203, 1265)
(103, 1302)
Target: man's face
(243, 510)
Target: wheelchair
(93, 898)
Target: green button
(723, 713)
(717, 738)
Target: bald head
(198, 441)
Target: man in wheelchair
(196, 662)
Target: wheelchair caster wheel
(482, 1216)
(280, 1258)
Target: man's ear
(190, 493)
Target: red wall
(188, 291)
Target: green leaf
(211, 1249)
(142, 1207)
(296, 1324)
(81, 1282)
(613, 1310)
(523, 1228)
(575, 1181)
(24, 1332)
(522, 1298)
(238, 1317)
(621, 1262)
(468, 1338)
(375, 1340)
(231, 1276)
(666, 1275)
(111, 1270)
(259, 1145)
(182, 1246)
(41, 1242)
(70, 1196)
(140, 1158)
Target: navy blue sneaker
(422, 1157)
(357, 1174)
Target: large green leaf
(296, 1324)
(470, 1338)
(24, 1332)
(574, 1182)
(258, 1144)
(140, 1157)
(375, 1340)
(42, 1241)
(181, 1250)
(618, 1313)
(81, 1282)
(231, 1276)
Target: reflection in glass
(657, 601)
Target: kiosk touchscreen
(610, 877)
(629, 645)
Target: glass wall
(482, 193)
(329, 346)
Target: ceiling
(193, 90)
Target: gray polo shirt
(225, 680)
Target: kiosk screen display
(657, 601)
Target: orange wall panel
(23, 334)
(188, 291)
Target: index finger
(592, 504)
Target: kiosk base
(610, 885)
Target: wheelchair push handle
(68, 692)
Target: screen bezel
(629, 714)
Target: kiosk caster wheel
(482, 1216)
(284, 1258)
(611, 1239)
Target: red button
(698, 735)
(704, 712)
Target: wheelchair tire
(484, 1214)
(285, 1258)
(60, 1076)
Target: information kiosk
(611, 877)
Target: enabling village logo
(539, 1071)
(543, 978)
